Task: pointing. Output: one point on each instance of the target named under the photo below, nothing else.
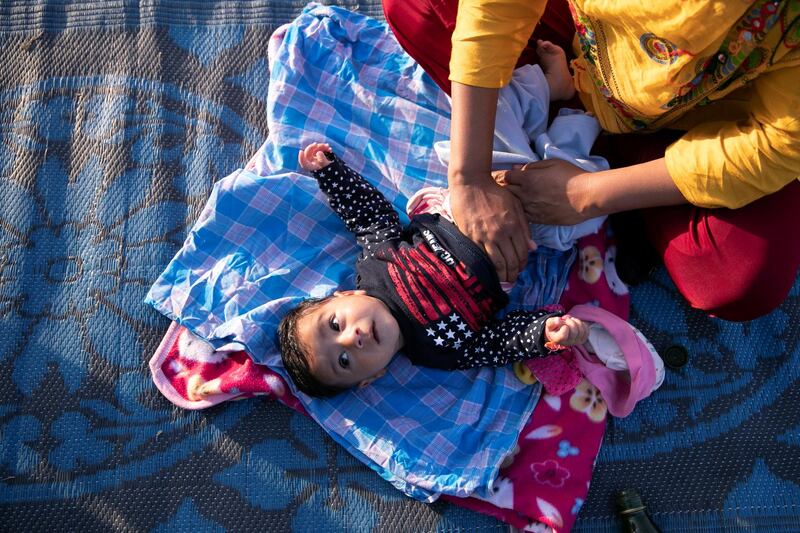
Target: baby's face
(350, 338)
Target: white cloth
(603, 345)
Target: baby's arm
(362, 207)
(523, 335)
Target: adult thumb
(512, 179)
(499, 177)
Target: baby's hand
(563, 331)
(312, 157)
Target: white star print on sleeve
(517, 336)
(348, 194)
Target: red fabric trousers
(735, 264)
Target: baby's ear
(367, 381)
(357, 292)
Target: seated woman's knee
(746, 299)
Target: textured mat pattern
(115, 118)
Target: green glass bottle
(632, 512)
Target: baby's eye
(344, 360)
(334, 323)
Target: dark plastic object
(676, 356)
(632, 513)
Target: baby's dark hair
(295, 355)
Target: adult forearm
(490, 216)
(489, 37)
(622, 189)
(471, 134)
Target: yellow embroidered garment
(643, 66)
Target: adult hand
(552, 191)
(493, 218)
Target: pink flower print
(587, 399)
(550, 473)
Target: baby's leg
(553, 61)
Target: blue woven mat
(115, 119)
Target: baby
(426, 289)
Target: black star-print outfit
(440, 287)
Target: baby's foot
(553, 61)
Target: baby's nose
(354, 338)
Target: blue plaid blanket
(267, 239)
